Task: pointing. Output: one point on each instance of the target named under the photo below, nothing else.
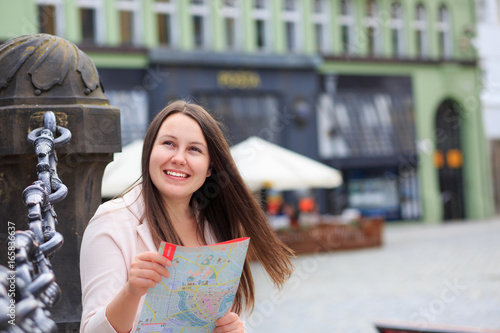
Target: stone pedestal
(41, 73)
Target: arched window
(372, 28)
(347, 25)
(444, 32)
(421, 32)
(397, 26)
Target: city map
(200, 289)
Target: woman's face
(179, 162)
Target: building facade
(386, 91)
(488, 30)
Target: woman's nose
(179, 157)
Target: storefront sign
(238, 79)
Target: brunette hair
(224, 202)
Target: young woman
(191, 194)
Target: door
(448, 159)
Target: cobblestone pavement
(426, 274)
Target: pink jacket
(113, 237)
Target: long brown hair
(223, 201)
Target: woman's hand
(146, 270)
(229, 323)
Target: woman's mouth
(176, 174)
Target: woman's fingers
(146, 270)
(231, 322)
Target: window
(130, 24)
(231, 13)
(291, 19)
(421, 34)
(397, 30)
(347, 26)
(166, 23)
(92, 21)
(481, 10)
(321, 25)
(444, 33)
(199, 23)
(262, 16)
(50, 17)
(373, 32)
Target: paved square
(426, 274)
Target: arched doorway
(448, 159)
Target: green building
(386, 91)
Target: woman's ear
(209, 171)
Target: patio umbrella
(263, 164)
(123, 170)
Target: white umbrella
(123, 170)
(266, 165)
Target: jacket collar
(135, 204)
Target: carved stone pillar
(41, 73)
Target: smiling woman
(191, 194)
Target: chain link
(35, 289)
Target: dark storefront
(251, 95)
(366, 129)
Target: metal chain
(35, 289)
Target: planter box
(334, 236)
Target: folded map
(200, 289)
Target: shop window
(262, 25)
(373, 33)
(92, 21)
(50, 18)
(444, 33)
(166, 26)
(130, 24)
(347, 25)
(321, 25)
(397, 26)
(200, 23)
(421, 32)
(244, 115)
(133, 105)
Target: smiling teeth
(176, 174)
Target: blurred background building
(488, 32)
(386, 91)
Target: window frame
(373, 22)
(348, 21)
(444, 29)
(262, 14)
(420, 26)
(397, 24)
(59, 13)
(100, 26)
(202, 10)
(321, 19)
(133, 6)
(170, 9)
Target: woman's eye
(168, 143)
(196, 149)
